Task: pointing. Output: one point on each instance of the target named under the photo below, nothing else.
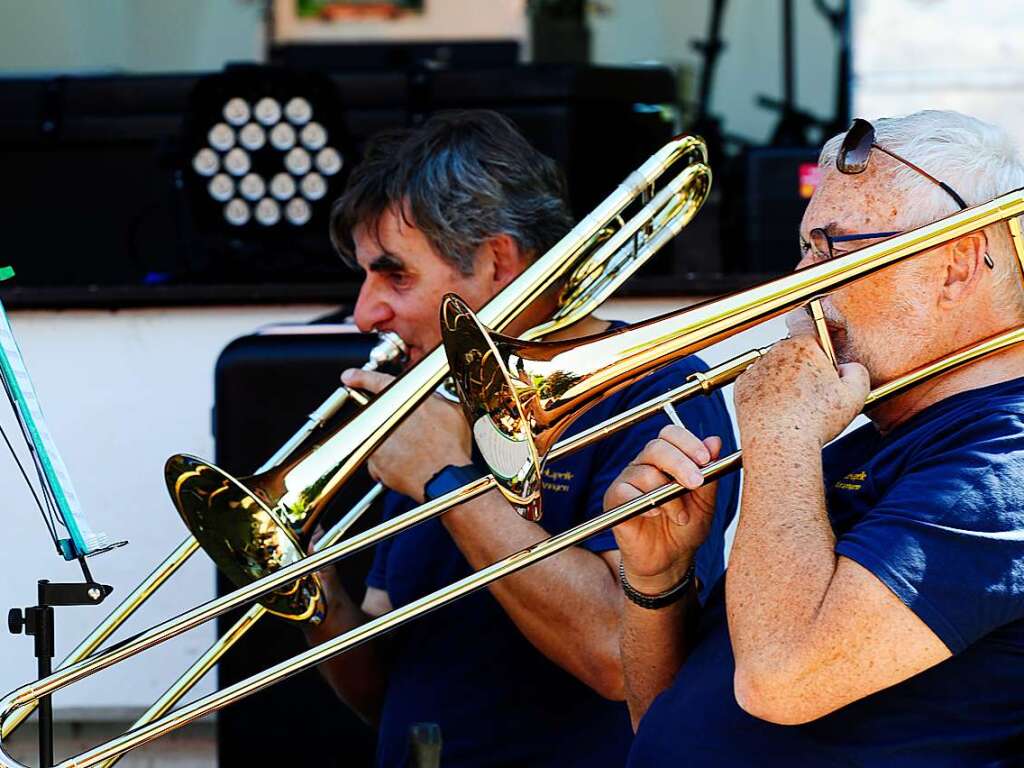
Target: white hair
(978, 160)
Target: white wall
(121, 391)
(963, 56)
(129, 35)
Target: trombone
(257, 524)
(630, 352)
(625, 355)
(589, 264)
(519, 396)
(389, 350)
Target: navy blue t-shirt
(935, 510)
(499, 701)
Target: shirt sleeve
(377, 575)
(948, 537)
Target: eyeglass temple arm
(949, 190)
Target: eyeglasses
(853, 157)
(821, 242)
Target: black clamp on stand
(38, 622)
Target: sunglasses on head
(856, 151)
(853, 157)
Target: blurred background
(176, 290)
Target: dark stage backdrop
(98, 211)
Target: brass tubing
(139, 736)
(389, 349)
(237, 631)
(632, 352)
(478, 580)
(562, 260)
(112, 622)
(196, 672)
(734, 461)
(520, 396)
(668, 213)
(698, 384)
(144, 590)
(668, 204)
(1018, 242)
(214, 608)
(343, 452)
(701, 383)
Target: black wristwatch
(653, 602)
(449, 478)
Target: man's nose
(371, 310)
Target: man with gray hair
(872, 613)
(527, 673)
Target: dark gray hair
(462, 178)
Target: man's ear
(965, 264)
(504, 260)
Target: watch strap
(654, 602)
(449, 478)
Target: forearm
(653, 645)
(783, 557)
(358, 676)
(568, 606)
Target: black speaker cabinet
(778, 183)
(265, 385)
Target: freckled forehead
(856, 203)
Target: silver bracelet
(654, 602)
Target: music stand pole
(37, 620)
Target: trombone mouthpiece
(490, 396)
(389, 350)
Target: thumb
(856, 380)
(799, 323)
(370, 381)
(714, 446)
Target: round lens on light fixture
(252, 186)
(236, 111)
(329, 161)
(297, 161)
(297, 211)
(268, 212)
(206, 162)
(252, 136)
(313, 186)
(298, 110)
(282, 186)
(268, 111)
(236, 212)
(282, 136)
(237, 162)
(314, 136)
(221, 137)
(221, 187)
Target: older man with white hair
(872, 613)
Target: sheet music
(83, 538)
